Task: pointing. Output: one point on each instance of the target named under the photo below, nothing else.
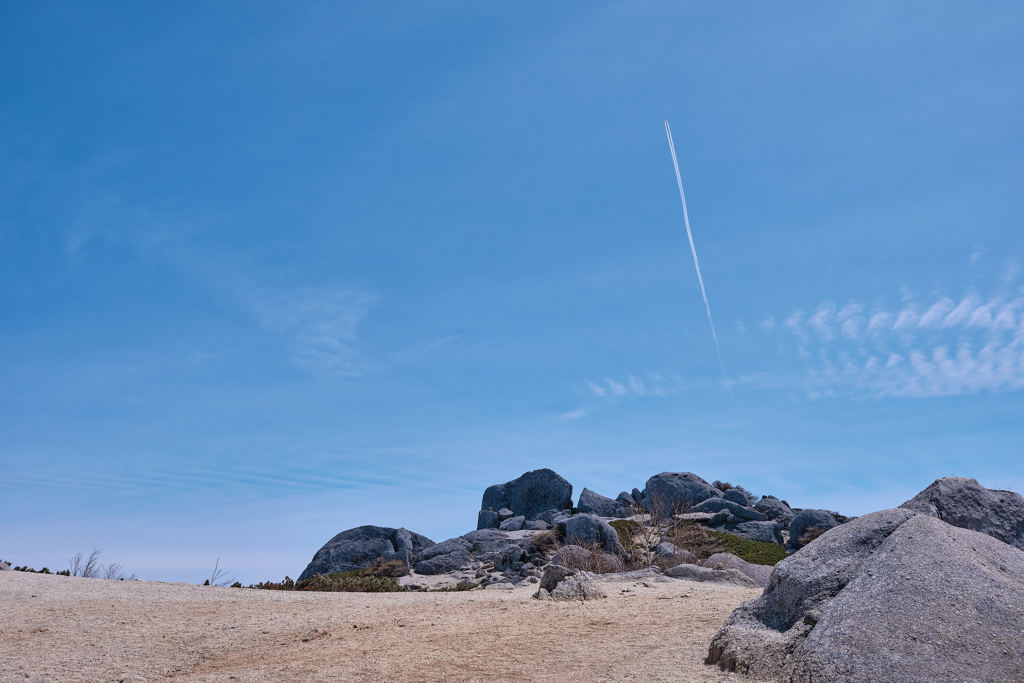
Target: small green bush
(355, 581)
(754, 552)
(626, 529)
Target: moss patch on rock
(754, 552)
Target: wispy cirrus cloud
(941, 347)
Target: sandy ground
(71, 629)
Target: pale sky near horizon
(269, 271)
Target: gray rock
(559, 583)
(719, 504)
(967, 504)
(638, 495)
(484, 541)
(536, 525)
(443, 564)
(668, 550)
(505, 513)
(626, 499)
(736, 496)
(775, 510)
(4, 567)
(444, 547)
(597, 504)
(487, 519)
(762, 532)
(587, 529)
(692, 572)
(895, 596)
(530, 494)
(706, 518)
(513, 523)
(760, 573)
(675, 491)
(362, 546)
(805, 520)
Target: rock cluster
(500, 550)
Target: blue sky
(271, 271)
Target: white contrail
(693, 249)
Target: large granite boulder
(775, 510)
(967, 504)
(601, 506)
(529, 495)
(364, 545)
(590, 530)
(672, 492)
(805, 521)
(895, 596)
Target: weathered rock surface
(560, 583)
(601, 506)
(806, 520)
(443, 564)
(760, 573)
(718, 504)
(672, 551)
(736, 496)
(762, 532)
(967, 504)
(530, 494)
(587, 529)
(895, 596)
(692, 572)
(513, 523)
(675, 491)
(362, 546)
(775, 510)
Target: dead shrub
(811, 533)
(589, 557)
(691, 536)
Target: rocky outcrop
(560, 583)
(895, 596)
(804, 522)
(967, 504)
(673, 492)
(601, 506)
(364, 545)
(528, 495)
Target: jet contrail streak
(693, 249)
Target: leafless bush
(219, 576)
(692, 537)
(589, 557)
(811, 533)
(88, 567)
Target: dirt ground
(72, 629)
